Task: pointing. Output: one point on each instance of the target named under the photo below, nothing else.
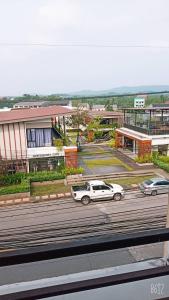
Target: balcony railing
(161, 130)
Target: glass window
(96, 188)
(148, 182)
(39, 137)
(165, 182)
(104, 187)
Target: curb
(34, 199)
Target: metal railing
(149, 131)
(82, 247)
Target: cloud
(58, 14)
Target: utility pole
(166, 244)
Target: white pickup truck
(97, 190)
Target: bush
(161, 164)
(98, 134)
(73, 171)
(147, 158)
(20, 182)
(23, 187)
(112, 143)
(46, 176)
(163, 158)
(58, 144)
(12, 179)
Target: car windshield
(148, 182)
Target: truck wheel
(85, 200)
(117, 197)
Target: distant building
(30, 104)
(36, 104)
(139, 102)
(107, 117)
(98, 108)
(84, 106)
(161, 105)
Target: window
(148, 182)
(96, 187)
(165, 182)
(39, 137)
(159, 183)
(104, 187)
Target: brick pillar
(144, 148)
(71, 157)
(118, 140)
(90, 136)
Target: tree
(79, 118)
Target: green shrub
(147, 158)
(23, 187)
(73, 171)
(161, 164)
(46, 176)
(163, 158)
(98, 134)
(12, 179)
(20, 182)
(155, 154)
(112, 143)
(58, 144)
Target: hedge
(20, 182)
(161, 164)
(46, 176)
(23, 187)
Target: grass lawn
(89, 153)
(61, 188)
(49, 189)
(130, 180)
(106, 162)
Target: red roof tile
(19, 115)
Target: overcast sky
(47, 70)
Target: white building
(139, 102)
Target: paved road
(24, 225)
(60, 220)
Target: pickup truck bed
(77, 188)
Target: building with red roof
(27, 139)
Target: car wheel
(85, 200)
(153, 193)
(117, 197)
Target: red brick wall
(118, 140)
(71, 160)
(144, 147)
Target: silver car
(155, 186)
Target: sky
(59, 46)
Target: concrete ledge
(14, 196)
(26, 200)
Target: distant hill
(122, 90)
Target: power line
(85, 45)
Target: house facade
(28, 139)
(144, 130)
